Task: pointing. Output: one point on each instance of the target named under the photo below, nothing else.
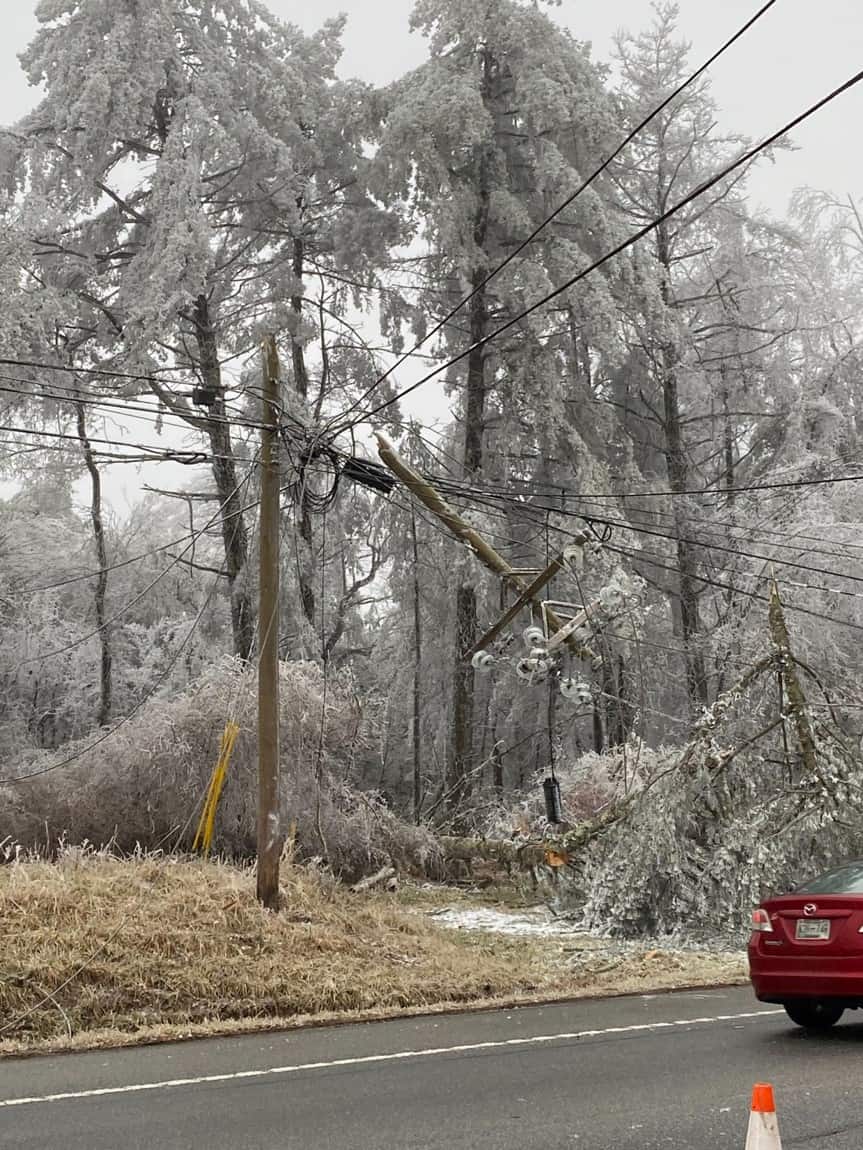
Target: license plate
(813, 928)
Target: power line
(564, 205)
(21, 591)
(112, 402)
(743, 159)
(755, 529)
(635, 556)
(109, 457)
(94, 574)
(481, 496)
(646, 556)
(740, 590)
(559, 491)
(563, 493)
(106, 373)
(724, 492)
(152, 454)
(137, 707)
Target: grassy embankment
(101, 952)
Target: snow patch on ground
(616, 964)
(532, 921)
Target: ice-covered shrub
(145, 783)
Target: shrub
(144, 784)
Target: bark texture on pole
(269, 828)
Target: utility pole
(269, 836)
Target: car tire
(814, 1015)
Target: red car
(806, 948)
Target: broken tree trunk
(386, 875)
(796, 697)
(512, 852)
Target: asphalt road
(642, 1073)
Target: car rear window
(847, 879)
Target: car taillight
(761, 920)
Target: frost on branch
(748, 807)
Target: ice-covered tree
(480, 143)
(186, 168)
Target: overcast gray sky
(797, 52)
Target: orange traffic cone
(763, 1133)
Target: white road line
(371, 1059)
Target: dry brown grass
(99, 951)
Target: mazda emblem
(810, 908)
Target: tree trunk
(418, 653)
(626, 698)
(460, 762)
(598, 733)
(100, 591)
(727, 439)
(301, 375)
(461, 756)
(234, 533)
(797, 708)
(301, 386)
(678, 475)
(497, 769)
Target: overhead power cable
(151, 453)
(480, 496)
(103, 372)
(582, 187)
(634, 556)
(526, 509)
(36, 391)
(745, 158)
(568, 495)
(758, 533)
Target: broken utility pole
(269, 837)
(434, 501)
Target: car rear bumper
(782, 980)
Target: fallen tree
(764, 790)
(531, 853)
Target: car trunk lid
(826, 925)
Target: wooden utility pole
(269, 836)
